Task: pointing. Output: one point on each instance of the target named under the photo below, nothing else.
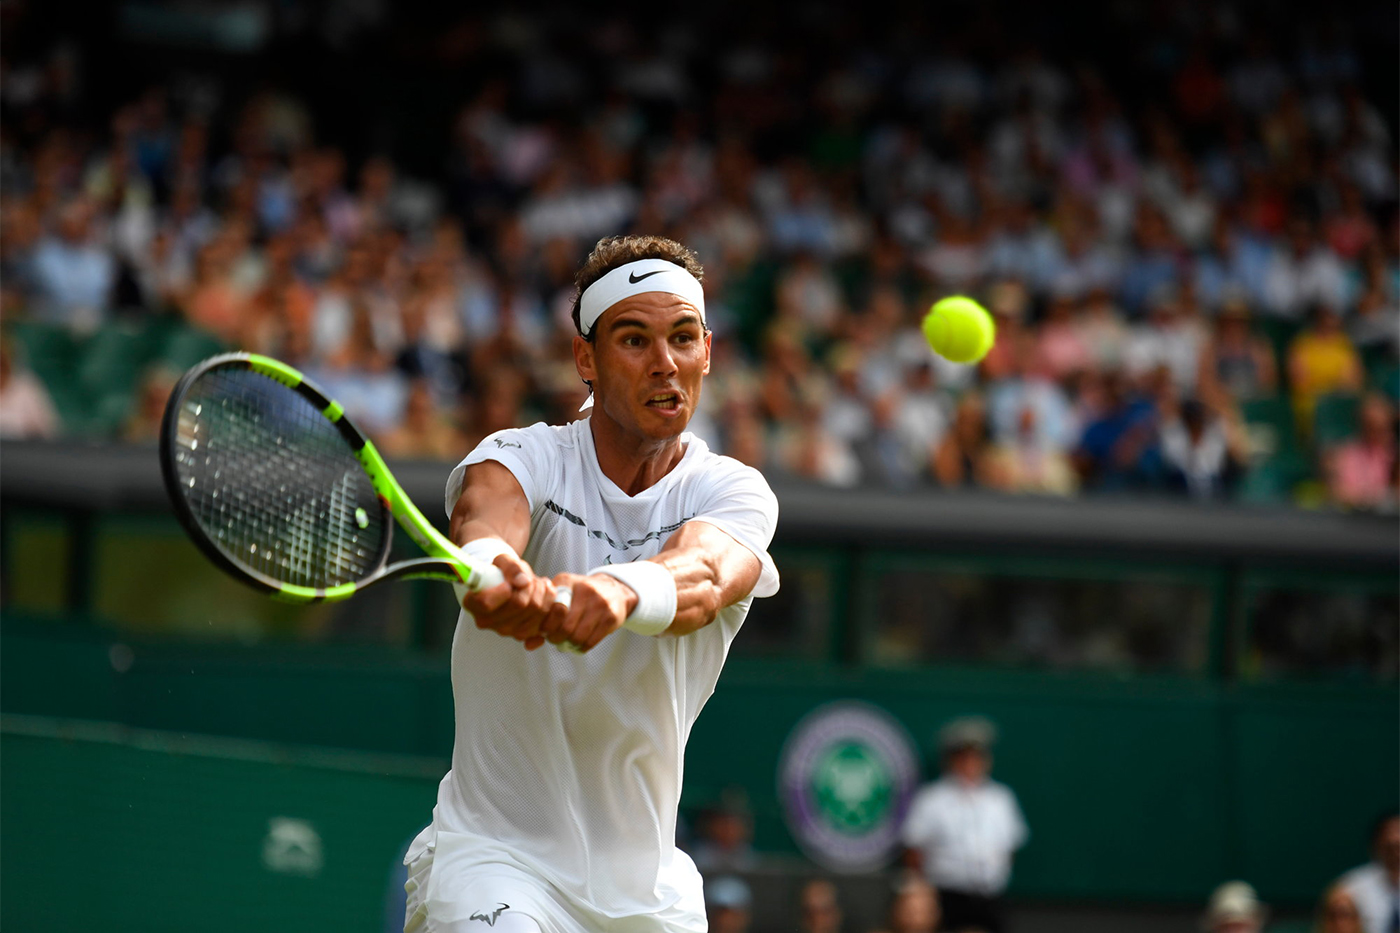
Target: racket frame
(445, 561)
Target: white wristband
(486, 550)
(656, 594)
(483, 552)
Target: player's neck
(633, 463)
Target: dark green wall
(1136, 789)
(101, 833)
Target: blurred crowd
(1193, 271)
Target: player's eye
(632, 341)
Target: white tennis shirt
(967, 834)
(569, 766)
(1377, 900)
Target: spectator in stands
(1337, 913)
(143, 424)
(26, 411)
(424, 432)
(724, 838)
(1203, 451)
(915, 908)
(1235, 264)
(73, 273)
(1360, 470)
(1236, 364)
(20, 233)
(1155, 264)
(963, 830)
(1372, 326)
(213, 303)
(920, 416)
(1029, 386)
(727, 903)
(1303, 273)
(1234, 908)
(1375, 886)
(819, 910)
(1026, 463)
(1102, 331)
(1227, 174)
(1061, 347)
(1118, 449)
(1321, 360)
(1168, 338)
(959, 457)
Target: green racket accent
(276, 369)
(333, 411)
(292, 593)
(410, 519)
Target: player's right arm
(493, 505)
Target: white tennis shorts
(448, 894)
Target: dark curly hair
(614, 251)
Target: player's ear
(709, 336)
(583, 359)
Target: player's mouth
(667, 403)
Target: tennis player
(559, 813)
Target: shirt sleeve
(526, 452)
(742, 506)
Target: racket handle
(565, 595)
(481, 578)
(485, 577)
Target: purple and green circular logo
(845, 778)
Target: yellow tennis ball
(959, 329)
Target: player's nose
(663, 363)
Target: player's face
(646, 363)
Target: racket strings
(273, 484)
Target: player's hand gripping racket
(279, 489)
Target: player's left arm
(710, 569)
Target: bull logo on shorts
(490, 921)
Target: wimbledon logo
(845, 778)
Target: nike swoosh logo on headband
(634, 278)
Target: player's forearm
(471, 529)
(699, 592)
(491, 505)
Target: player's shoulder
(718, 469)
(537, 437)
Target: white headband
(637, 278)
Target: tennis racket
(280, 489)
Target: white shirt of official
(967, 834)
(569, 766)
(1377, 900)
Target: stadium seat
(114, 357)
(46, 348)
(1272, 480)
(1280, 334)
(1334, 420)
(1386, 379)
(1270, 425)
(184, 346)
